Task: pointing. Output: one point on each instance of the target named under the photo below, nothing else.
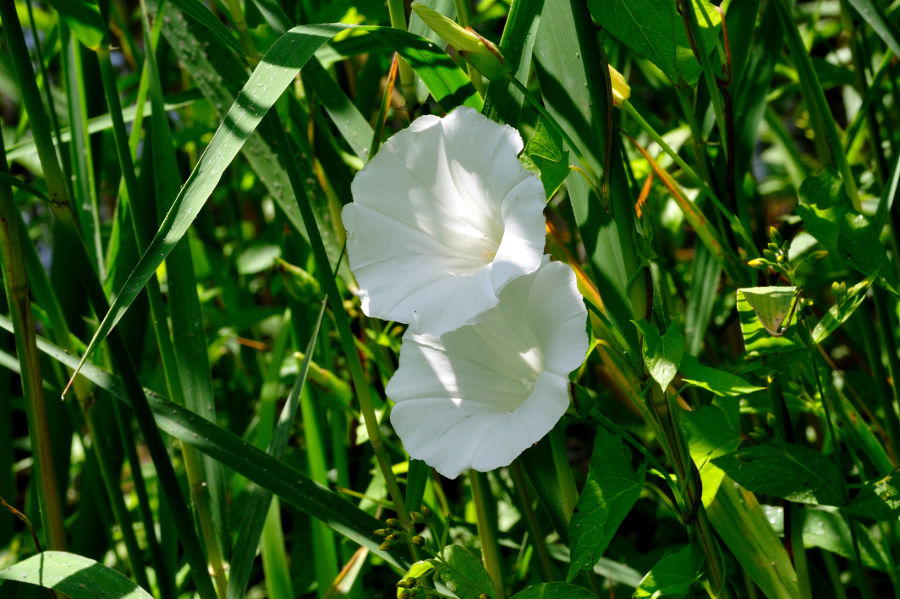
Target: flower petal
(444, 210)
(477, 396)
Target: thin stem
(489, 551)
(540, 546)
(15, 279)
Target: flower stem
(490, 553)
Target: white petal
(477, 396)
(444, 210)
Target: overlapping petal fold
(442, 219)
(477, 396)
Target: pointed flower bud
(620, 89)
(478, 51)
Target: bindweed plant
(530, 299)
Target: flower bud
(757, 263)
(392, 522)
(620, 89)
(418, 541)
(478, 51)
(417, 516)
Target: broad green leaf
(73, 575)
(848, 235)
(612, 487)
(463, 573)
(555, 590)
(84, 19)
(879, 499)
(546, 153)
(672, 576)
(712, 431)
(656, 30)
(756, 336)
(774, 306)
(720, 382)
(662, 354)
(785, 470)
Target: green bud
(302, 286)
(392, 522)
(426, 512)
(382, 532)
(386, 545)
(418, 541)
(621, 91)
(479, 52)
(775, 236)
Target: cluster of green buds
(396, 533)
(774, 255)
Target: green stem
(490, 552)
(276, 131)
(15, 279)
(883, 313)
(540, 545)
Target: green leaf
(842, 310)
(84, 19)
(251, 462)
(672, 576)
(723, 384)
(885, 28)
(656, 30)
(75, 576)
(879, 499)
(555, 590)
(463, 573)
(612, 487)
(827, 529)
(848, 235)
(275, 72)
(785, 470)
(756, 336)
(713, 431)
(741, 522)
(662, 354)
(774, 306)
(546, 152)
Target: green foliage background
(171, 180)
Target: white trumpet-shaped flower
(442, 218)
(478, 396)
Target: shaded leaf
(879, 499)
(713, 431)
(463, 573)
(84, 19)
(785, 470)
(656, 30)
(720, 382)
(555, 590)
(673, 575)
(612, 487)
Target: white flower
(442, 218)
(478, 396)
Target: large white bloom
(478, 396)
(442, 218)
